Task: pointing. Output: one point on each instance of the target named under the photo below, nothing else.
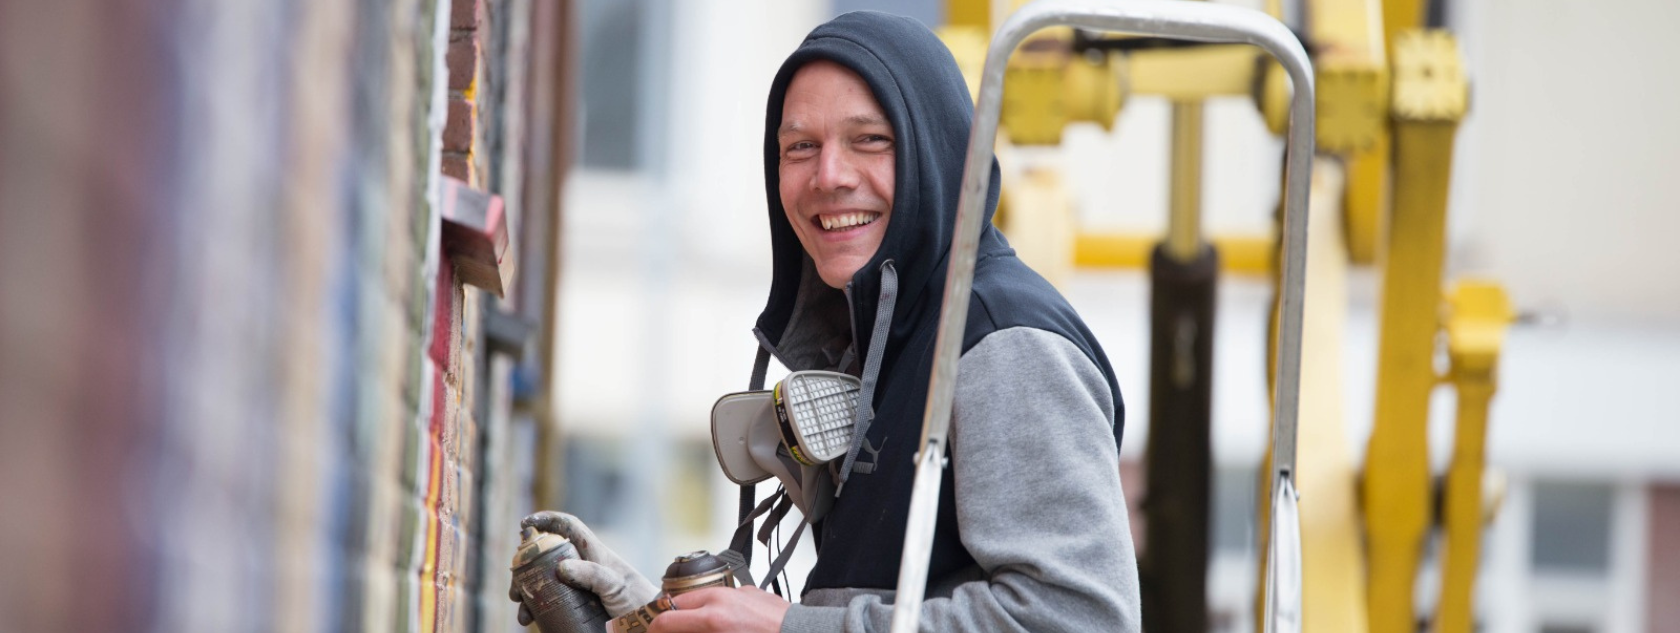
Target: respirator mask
(790, 432)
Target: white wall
(1570, 162)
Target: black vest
(860, 542)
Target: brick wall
(243, 387)
(1663, 572)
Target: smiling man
(835, 168)
(865, 131)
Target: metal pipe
(1184, 219)
(1196, 21)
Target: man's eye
(876, 140)
(799, 148)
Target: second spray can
(555, 607)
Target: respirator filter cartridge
(815, 412)
(806, 420)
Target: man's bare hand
(723, 610)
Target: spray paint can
(555, 607)
(694, 571)
(690, 572)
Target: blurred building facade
(244, 388)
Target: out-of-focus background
(254, 376)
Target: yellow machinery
(1390, 97)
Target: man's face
(836, 168)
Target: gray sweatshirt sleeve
(1037, 483)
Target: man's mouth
(843, 221)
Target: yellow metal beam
(1428, 103)
(1352, 71)
(1401, 15)
(1366, 202)
(1184, 218)
(1241, 254)
(1346, 31)
(1429, 82)
(1478, 315)
(1189, 74)
(968, 45)
(1333, 598)
(1034, 210)
(971, 13)
(1353, 86)
(1047, 86)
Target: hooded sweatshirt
(1032, 531)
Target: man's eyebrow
(857, 119)
(865, 119)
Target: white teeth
(845, 220)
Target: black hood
(918, 86)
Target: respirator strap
(761, 366)
(787, 552)
(767, 530)
(741, 545)
(775, 518)
(739, 553)
(871, 369)
(777, 506)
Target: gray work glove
(621, 588)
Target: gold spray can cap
(697, 570)
(534, 543)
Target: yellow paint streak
(429, 568)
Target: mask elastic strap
(787, 553)
(740, 546)
(761, 366)
(775, 518)
(871, 369)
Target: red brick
(462, 60)
(1663, 554)
(444, 317)
(463, 14)
(457, 166)
(458, 126)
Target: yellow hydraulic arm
(1430, 95)
(1390, 98)
(1477, 316)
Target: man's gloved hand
(621, 588)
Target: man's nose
(835, 170)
